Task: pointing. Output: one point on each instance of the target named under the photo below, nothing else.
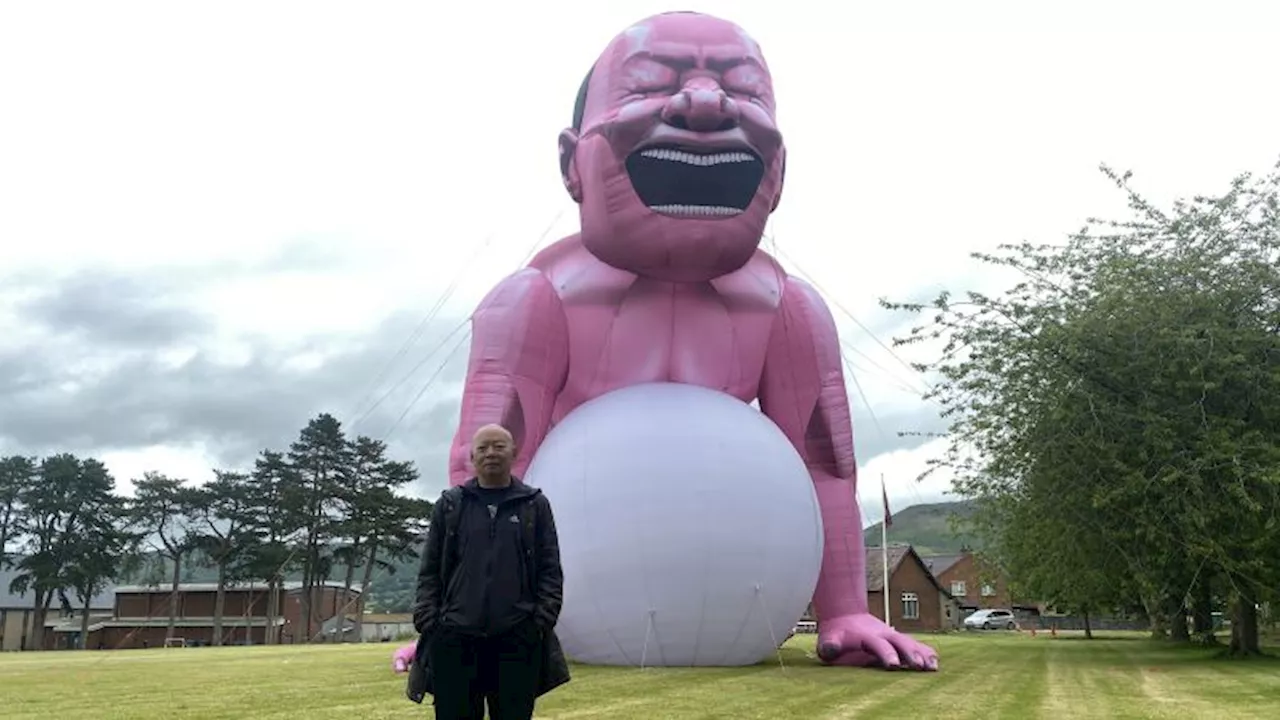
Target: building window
(988, 591)
(910, 606)
(957, 588)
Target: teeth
(710, 210)
(691, 159)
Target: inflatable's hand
(863, 640)
(403, 657)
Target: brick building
(140, 617)
(917, 602)
(974, 583)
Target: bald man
(489, 591)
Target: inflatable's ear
(569, 141)
(782, 178)
(569, 168)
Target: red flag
(888, 518)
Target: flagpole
(884, 550)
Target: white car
(991, 620)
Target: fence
(1076, 622)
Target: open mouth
(675, 181)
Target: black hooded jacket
(481, 576)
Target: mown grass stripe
(984, 675)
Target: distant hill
(927, 528)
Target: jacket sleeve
(426, 606)
(549, 587)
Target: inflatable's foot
(863, 640)
(402, 658)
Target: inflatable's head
(674, 154)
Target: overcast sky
(219, 219)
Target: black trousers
(470, 671)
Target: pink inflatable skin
(676, 162)
(403, 657)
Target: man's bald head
(492, 431)
(493, 449)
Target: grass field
(983, 676)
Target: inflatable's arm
(803, 391)
(519, 360)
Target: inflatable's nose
(701, 107)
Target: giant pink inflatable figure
(677, 162)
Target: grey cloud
(130, 398)
(116, 310)
(48, 403)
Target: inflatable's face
(677, 162)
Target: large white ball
(689, 528)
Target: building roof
(375, 618)
(15, 601)
(897, 553)
(257, 586)
(875, 564)
(94, 617)
(191, 622)
(939, 564)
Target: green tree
(377, 523)
(17, 473)
(225, 526)
(272, 492)
(59, 507)
(322, 464)
(354, 528)
(1127, 388)
(165, 512)
(398, 525)
(102, 549)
